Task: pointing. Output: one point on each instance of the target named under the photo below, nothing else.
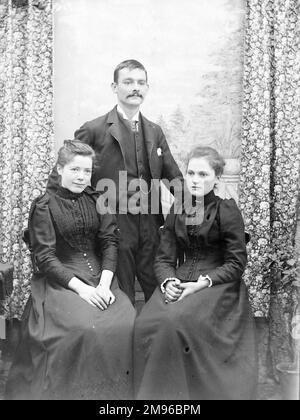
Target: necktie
(134, 126)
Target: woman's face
(200, 177)
(76, 174)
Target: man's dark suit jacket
(103, 134)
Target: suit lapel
(149, 133)
(115, 131)
(149, 138)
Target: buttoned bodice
(201, 257)
(69, 238)
(76, 223)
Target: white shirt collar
(134, 118)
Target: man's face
(131, 88)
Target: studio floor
(269, 390)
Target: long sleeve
(43, 239)
(170, 168)
(108, 236)
(233, 238)
(85, 134)
(166, 258)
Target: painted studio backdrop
(192, 51)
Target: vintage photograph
(149, 200)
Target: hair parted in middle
(213, 157)
(131, 65)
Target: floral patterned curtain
(270, 153)
(26, 128)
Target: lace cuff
(210, 283)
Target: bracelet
(162, 286)
(210, 283)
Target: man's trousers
(139, 239)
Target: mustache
(135, 94)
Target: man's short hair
(128, 64)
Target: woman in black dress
(77, 340)
(195, 337)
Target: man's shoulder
(96, 122)
(151, 124)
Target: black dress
(70, 349)
(202, 347)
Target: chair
(26, 235)
(6, 280)
(6, 288)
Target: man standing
(128, 145)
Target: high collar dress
(70, 349)
(202, 347)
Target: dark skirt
(201, 348)
(72, 350)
